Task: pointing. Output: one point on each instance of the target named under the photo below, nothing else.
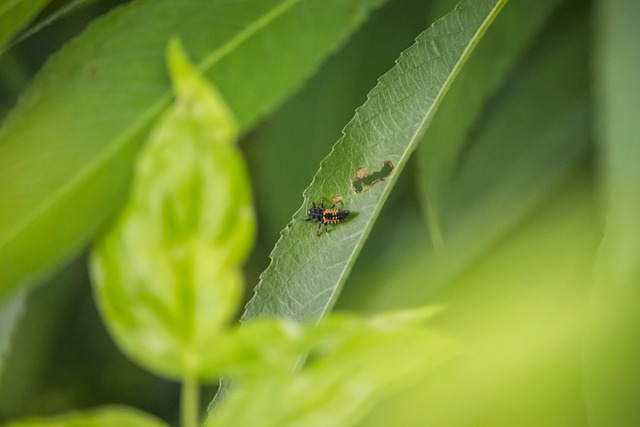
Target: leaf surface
(504, 44)
(67, 149)
(353, 363)
(168, 273)
(514, 163)
(11, 311)
(306, 271)
(613, 340)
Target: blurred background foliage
(521, 218)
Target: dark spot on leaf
(92, 69)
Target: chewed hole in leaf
(365, 179)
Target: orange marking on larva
(329, 216)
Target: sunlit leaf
(353, 362)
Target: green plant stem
(189, 402)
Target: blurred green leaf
(10, 312)
(618, 93)
(67, 149)
(515, 301)
(514, 162)
(108, 416)
(56, 15)
(41, 331)
(612, 345)
(168, 274)
(518, 313)
(496, 55)
(63, 359)
(15, 14)
(266, 347)
(353, 362)
(533, 137)
(270, 347)
(307, 272)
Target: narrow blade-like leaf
(613, 339)
(307, 271)
(59, 14)
(15, 14)
(507, 39)
(533, 139)
(10, 312)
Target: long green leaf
(618, 87)
(307, 272)
(613, 340)
(348, 77)
(66, 151)
(15, 14)
(533, 137)
(497, 54)
(10, 313)
(59, 14)
(515, 163)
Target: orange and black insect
(325, 216)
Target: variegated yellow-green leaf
(167, 274)
(103, 417)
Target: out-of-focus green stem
(189, 402)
